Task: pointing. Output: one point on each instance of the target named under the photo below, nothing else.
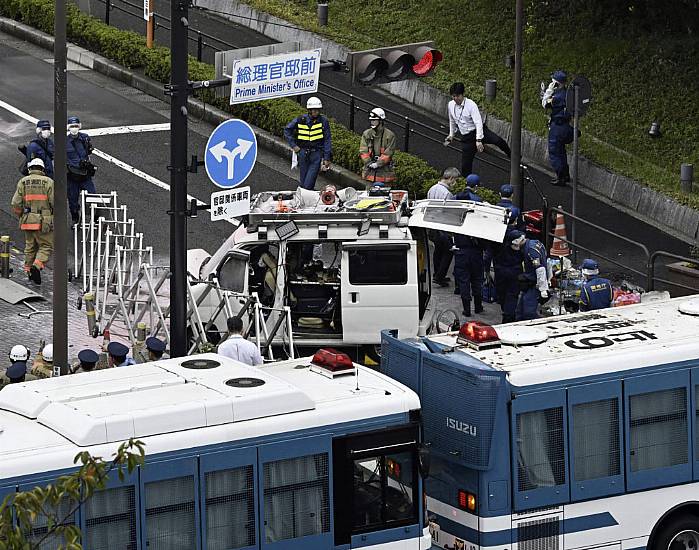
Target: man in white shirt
(442, 255)
(465, 118)
(237, 347)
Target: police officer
(534, 284)
(155, 347)
(41, 147)
(560, 130)
(309, 136)
(507, 266)
(468, 272)
(118, 353)
(376, 150)
(80, 169)
(596, 292)
(88, 360)
(16, 372)
(515, 220)
(33, 204)
(469, 194)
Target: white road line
(130, 129)
(109, 158)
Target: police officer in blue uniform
(155, 347)
(596, 292)
(118, 355)
(88, 361)
(41, 147)
(516, 221)
(309, 136)
(80, 169)
(507, 265)
(17, 372)
(560, 130)
(533, 282)
(469, 194)
(468, 272)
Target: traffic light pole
(516, 145)
(179, 91)
(60, 210)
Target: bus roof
(591, 343)
(181, 403)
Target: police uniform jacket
(40, 148)
(77, 148)
(596, 293)
(534, 254)
(308, 133)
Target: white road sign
(147, 9)
(273, 76)
(231, 203)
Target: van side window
(596, 440)
(658, 423)
(384, 266)
(541, 449)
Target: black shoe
(478, 309)
(457, 290)
(441, 282)
(466, 313)
(35, 275)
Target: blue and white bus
(293, 455)
(571, 432)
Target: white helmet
(314, 103)
(36, 162)
(47, 353)
(377, 113)
(19, 353)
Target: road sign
(231, 153)
(231, 203)
(584, 95)
(147, 9)
(280, 75)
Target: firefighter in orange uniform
(376, 150)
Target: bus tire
(679, 533)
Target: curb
(652, 207)
(337, 174)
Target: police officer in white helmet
(17, 370)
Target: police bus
(305, 454)
(579, 431)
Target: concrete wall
(652, 207)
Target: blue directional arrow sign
(231, 153)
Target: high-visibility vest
(309, 133)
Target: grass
(637, 75)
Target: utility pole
(179, 91)
(60, 210)
(516, 146)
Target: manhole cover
(244, 382)
(200, 364)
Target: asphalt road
(493, 168)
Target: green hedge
(129, 49)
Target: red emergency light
(332, 360)
(478, 335)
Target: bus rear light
(467, 501)
(478, 335)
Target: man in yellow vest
(376, 150)
(309, 136)
(33, 204)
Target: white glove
(544, 294)
(548, 94)
(374, 165)
(542, 283)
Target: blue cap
(116, 349)
(559, 75)
(473, 180)
(590, 267)
(43, 124)
(16, 370)
(506, 190)
(88, 356)
(513, 235)
(73, 120)
(154, 344)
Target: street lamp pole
(516, 155)
(60, 210)
(179, 91)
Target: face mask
(46, 134)
(374, 123)
(73, 130)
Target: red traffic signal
(393, 63)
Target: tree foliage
(44, 514)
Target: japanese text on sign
(231, 203)
(273, 76)
(147, 9)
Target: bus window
(110, 519)
(596, 440)
(38, 534)
(170, 514)
(230, 508)
(296, 499)
(541, 457)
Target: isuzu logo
(461, 426)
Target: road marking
(130, 129)
(109, 158)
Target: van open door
(379, 289)
(232, 273)
(473, 219)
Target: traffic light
(393, 63)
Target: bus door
(379, 289)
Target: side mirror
(423, 458)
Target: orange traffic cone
(560, 247)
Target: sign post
(148, 16)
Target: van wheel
(681, 533)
